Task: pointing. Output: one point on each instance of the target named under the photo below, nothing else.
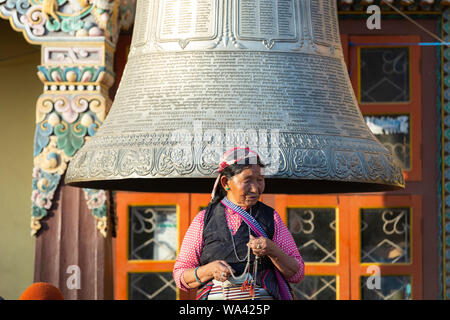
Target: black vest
(217, 241)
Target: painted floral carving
(44, 187)
(35, 20)
(96, 201)
(73, 18)
(52, 159)
(70, 109)
(64, 123)
(71, 74)
(70, 137)
(69, 118)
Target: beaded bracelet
(196, 277)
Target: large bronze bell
(206, 75)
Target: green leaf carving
(70, 137)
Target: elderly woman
(238, 247)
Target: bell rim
(273, 185)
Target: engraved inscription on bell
(206, 75)
(142, 27)
(325, 27)
(187, 19)
(289, 95)
(267, 19)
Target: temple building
(61, 62)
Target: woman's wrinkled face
(245, 187)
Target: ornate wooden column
(73, 106)
(72, 226)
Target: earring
(227, 188)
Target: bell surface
(204, 76)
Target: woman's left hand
(261, 246)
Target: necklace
(234, 246)
(247, 285)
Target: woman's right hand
(220, 270)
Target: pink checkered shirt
(191, 248)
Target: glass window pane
(385, 235)
(151, 286)
(390, 288)
(384, 74)
(153, 233)
(393, 131)
(314, 232)
(315, 288)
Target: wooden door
(321, 232)
(386, 242)
(151, 227)
(347, 241)
(390, 99)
